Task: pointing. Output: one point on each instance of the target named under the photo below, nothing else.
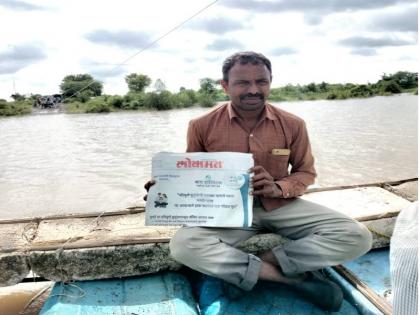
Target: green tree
(159, 101)
(116, 101)
(392, 87)
(311, 87)
(323, 87)
(137, 82)
(361, 90)
(404, 79)
(97, 105)
(80, 85)
(185, 98)
(207, 94)
(208, 86)
(18, 97)
(15, 108)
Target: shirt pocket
(277, 165)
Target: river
(61, 163)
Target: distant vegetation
(399, 82)
(83, 94)
(21, 105)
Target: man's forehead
(249, 69)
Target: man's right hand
(147, 186)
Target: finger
(262, 182)
(266, 192)
(260, 176)
(257, 169)
(149, 184)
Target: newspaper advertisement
(200, 189)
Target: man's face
(248, 86)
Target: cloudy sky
(335, 41)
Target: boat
(133, 272)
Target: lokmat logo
(188, 163)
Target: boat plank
(407, 190)
(37, 243)
(16, 235)
(359, 202)
(102, 231)
(367, 203)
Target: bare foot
(270, 272)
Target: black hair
(244, 57)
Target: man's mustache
(250, 95)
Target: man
(320, 236)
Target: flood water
(61, 163)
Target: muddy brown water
(57, 164)
(60, 163)
(24, 298)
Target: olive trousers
(320, 237)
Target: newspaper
(200, 189)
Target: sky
(180, 42)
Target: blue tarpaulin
(265, 299)
(172, 293)
(166, 293)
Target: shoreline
(68, 108)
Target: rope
(23, 311)
(59, 251)
(63, 285)
(119, 65)
(378, 233)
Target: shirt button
(251, 135)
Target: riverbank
(337, 92)
(108, 103)
(400, 82)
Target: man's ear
(224, 85)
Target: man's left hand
(263, 184)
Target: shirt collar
(267, 112)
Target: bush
(186, 98)
(361, 91)
(116, 101)
(15, 108)
(133, 101)
(403, 79)
(332, 96)
(97, 105)
(81, 97)
(159, 101)
(337, 95)
(392, 87)
(206, 100)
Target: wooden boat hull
(57, 248)
(193, 293)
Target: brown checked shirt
(278, 140)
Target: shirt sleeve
(194, 140)
(303, 172)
